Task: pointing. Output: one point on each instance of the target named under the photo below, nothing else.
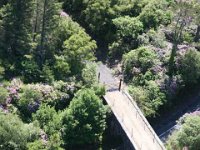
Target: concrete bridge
(135, 125)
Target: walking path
(135, 125)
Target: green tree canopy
(155, 13)
(84, 120)
(128, 26)
(187, 136)
(190, 67)
(14, 134)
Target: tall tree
(49, 13)
(184, 11)
(16, 33)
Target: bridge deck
(128, 114)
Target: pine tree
(16, 41)
(48, 13)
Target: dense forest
(50, 97)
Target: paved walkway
(128, 114)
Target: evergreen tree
(16, 33)
(48, 12)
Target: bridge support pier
(116, 130)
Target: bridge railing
(147, 126)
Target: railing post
(131, 132)
(99, 77)
(120, 84)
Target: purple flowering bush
(30, 97)
(29, 101)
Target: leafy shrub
(89, 74)
(118, 48)
(61, 68)
(187, 136)
(190, 67)
(48, 119)
(14, 134)
(78, 49)
(4, 95)
(55, 142)
(143, 39)
(99, 90)
(31, 71)
(2, 72)
(128, 26)
(142, 59)
(154, 14)
(47, 74)
(188, 37)
(157, 39)
(142, 79)
(36, 145)
(149, 98)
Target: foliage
(48, 119)
(29, 101)
(188, 134)
(16, 38)
(44, 46)
(55, 142)
(38, 144)
(190, 67)
(142, 58)
(61, 67)
(14, 134)
(128, 26)
(81, 124)
(47, 74)
(3, 95)
(99, 90)
(157, 39)
(2, 72)
(89, 74)
(79, 48)
(184, 12)
(154, 14)
(149, 98)
(31, 72)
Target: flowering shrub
(29, 100)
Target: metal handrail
(144, 119)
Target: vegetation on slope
(48, 87)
